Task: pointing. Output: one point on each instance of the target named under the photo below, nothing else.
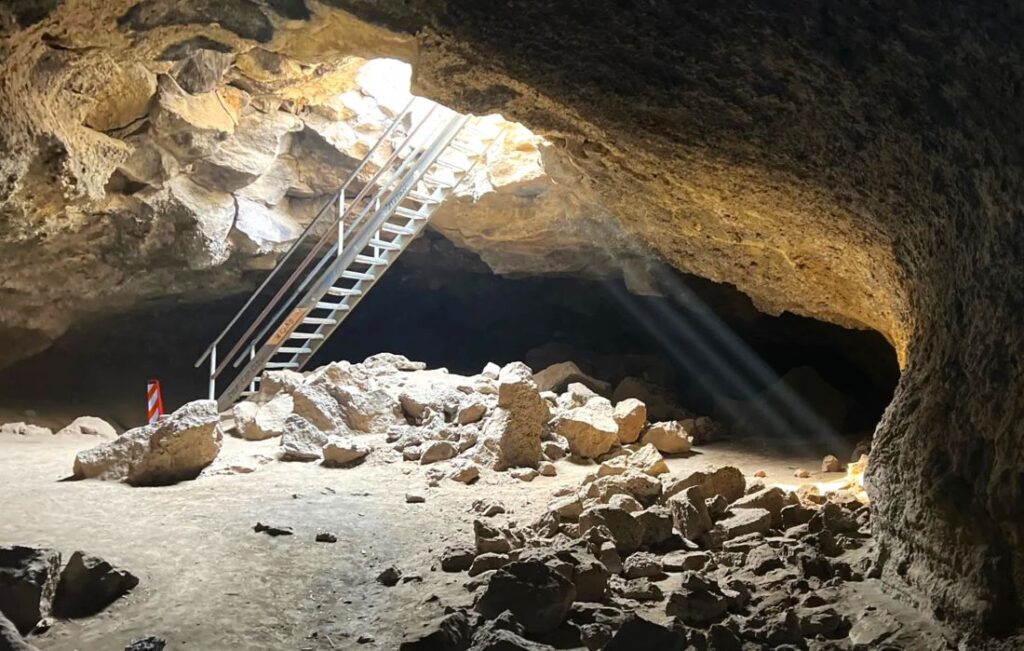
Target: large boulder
(518, 422)
(89, 426)
(668, 437)
(89, 584)
(256, 422)
(631, 416)
(302, 441)
(28, 582)
(590, 428)
(537, 596)
(173, 449)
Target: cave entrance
(787, 388)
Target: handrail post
(252, 356)
(341, 221)
(213, 374)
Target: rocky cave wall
(849, 161)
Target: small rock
(301, 440)
(690, 513)
(547, 469)
(642, 564)
(537, 596)
(271, 530)
(744, 521)
(639, 634)
(344, 451)
(554, 450)
(524, 474)
(438, 451)
(640, 589)
(489, 539)
(148, 643)
(760, 473)
(326, 537)
(609, 557)
(389, 577)
(831, 463)
(457, 559)
(464, 471)
(630, 415)
(682, 561)
(488, 507)
(625, 530)
(802, 474)
(414, 498)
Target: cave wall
(854, 161)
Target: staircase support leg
(213, 374)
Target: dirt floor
(208, 581)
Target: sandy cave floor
(207, 581)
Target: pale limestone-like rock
(194, 126)
(520, 419)
(590, 428)
(645, 459)
(172, 449)
(256, 422)
(491, 371)
(668, 437)
(631, 416)
(831, 463)
(90, 426)
(205, 217)
(577, 395)
(316, 405)
(771, 499)
(471, 411)
(437, 451)
(342, 451)
(274, 382)
(547, 469)
(524, 474)
(260, 230)
(301, 441)
(464, 471)
(625, 502)
(727, 481)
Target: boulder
(646, 459)
(435, 451)
(537, 596)
(470, 411)
(89, 426)
(639, 634)
(681, 561)
(660, 403)
(520, 419)
(642, 565)
(831, 463)
(282, 381)
(201, 71)
(490, 540)
(771, 499)
(464, 471)
(343, 451)
(449, 633)
(301, 441)
(657, 525)
(626, 531)
(89, 584)
(590, 428)
(487, 563)
(558, 377)
(319, 408)
(256, 422)
(173, 449)
(640, 485)
(28, 582)
(457, 559)
(727, 481)
(631, 416)
(690, 513)
(744, 521)
(10, 637)
(668, 437)
(699, 602)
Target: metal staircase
(427, 151)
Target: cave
(700, 326)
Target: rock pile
(725, 565)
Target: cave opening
(787, 384)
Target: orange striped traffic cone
(154, 401)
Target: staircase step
(450, 165)
(397, 230)
(438, 181)
(384, 244)
(334, 307)
(294, 351)
(342, 291)
(372, 261)
(305, 335)
(423, 198)
(357, 275)
(281, 365)
(464, 148)
(312, 320)
(409, 213)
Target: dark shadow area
(442, 305)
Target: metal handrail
(324, 238)
(309, 227)
(356, 224)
